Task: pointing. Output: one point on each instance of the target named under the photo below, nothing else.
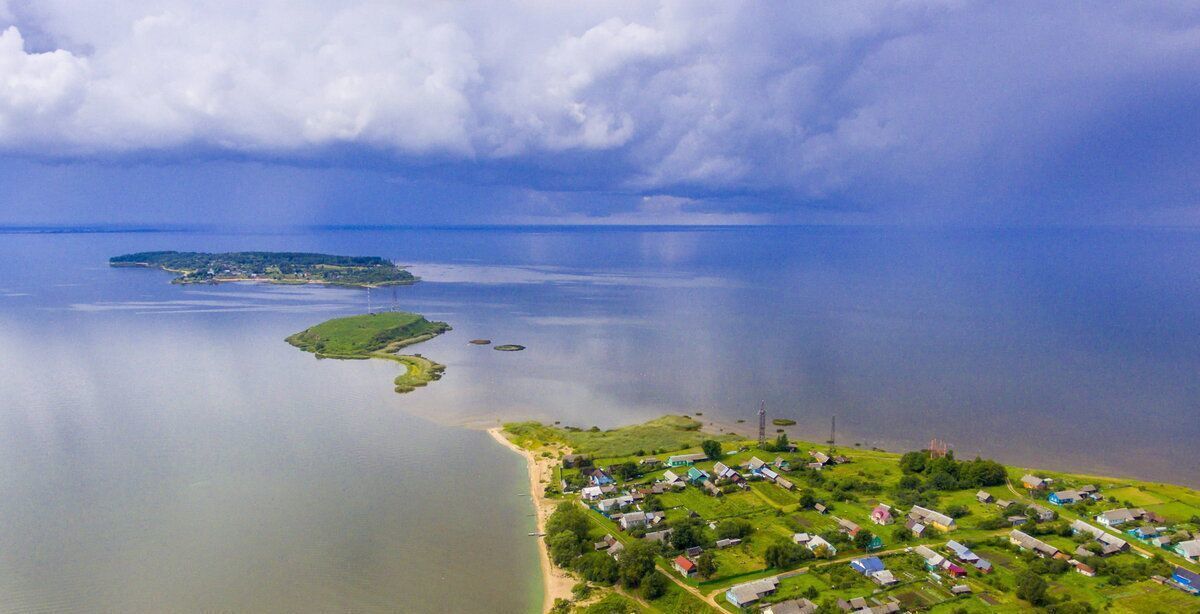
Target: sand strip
(556, 583)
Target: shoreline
(556, 584)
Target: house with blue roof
(867, 565)
(1187, 579)
(696, 475)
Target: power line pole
(369, 310)
(762, 423)
(833, 432)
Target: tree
(570, 518)
(626, 471)
(687, 534)
(597, 567)
(1032, 588)
(786, 554)
(734, 529)
(636, 561)
(712, 449)
(654, 585)
(862, 539)
(564, 547)
(913, 462)
(781, 443)
(706, 565)
(807, 500)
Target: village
(782, 527)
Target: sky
(361, 112)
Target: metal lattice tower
(762, 422)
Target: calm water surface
(162, 449)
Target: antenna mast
(762, 423)
(832, 431)
(369, 310)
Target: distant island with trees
(377, 335)
(273, 267)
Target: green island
(509, 347)
(377, 335)
(273, 267)
(663, 517)
(783, 422)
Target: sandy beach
(556, 583)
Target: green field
(377, 335)
(359, 336)
(665, 434)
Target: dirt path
(556, 583)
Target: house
(684, 460)
(769, 473)
(633, 520)
(1032, 482)
(784, 483)
(954, 570)
(711, 488)
(695, 474)
(670, 478)
(728, 543)
(867, 565)
(1025, 541)
(781, 464)
(1120, 516)
(615, 550)
(931, 518)
(1003, 503)
(933, 560)
(605, 542)
(592, 493)
(658, 536)
(847, 527)
(882, 514)
(961, 552)
(1042, 513)
(1017, 521)
(615, 503)
(1089, 490)
(820, 458)
(861, 605)
(1145, 533)
(755, 465)
(1066, 497)
(742, 595)
(1189, 550)
(597, 476)
(1162, 541)
(694, 551)
(983, 565)
(1109, 544)
(684, 566)
(820, 508)
(984, 496)
(801, 538)
(884, 578)
(791, 606)
(1084, 569)
(1186, 578)
(650, 462)
(917, 528)
(816, 541)
(960, 589)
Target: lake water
(162, 449)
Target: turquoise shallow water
(162, 448)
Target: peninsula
(664, 517)
(377, 335)
(272, 267)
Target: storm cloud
(911, 110)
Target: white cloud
(808, 100)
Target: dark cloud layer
(1020, 112)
